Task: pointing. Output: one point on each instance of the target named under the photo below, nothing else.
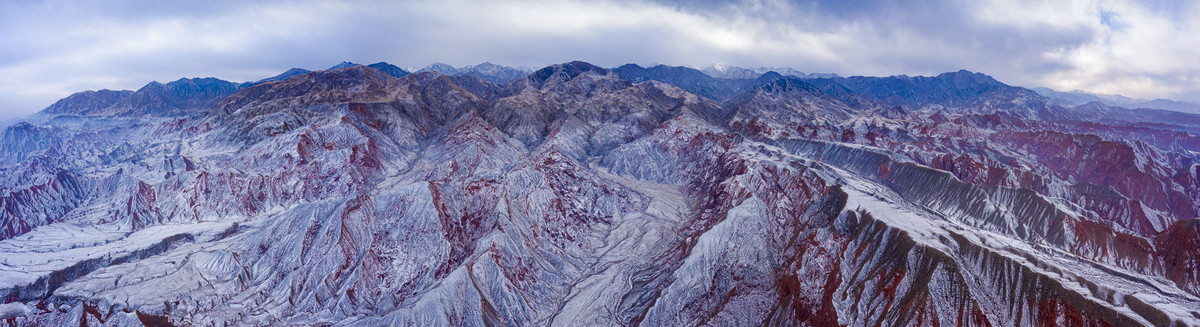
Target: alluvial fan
(578, 195)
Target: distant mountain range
(718, 82)
(154, 99)
(488, 71)
(735, 72)
(954, 90)
(189, 94)
(1069, 99)
(1078, 97)
(690, 79)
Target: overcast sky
(1141, 49)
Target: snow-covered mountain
(719, 70)
(487, 71)
(578, 195)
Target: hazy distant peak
(180, 97)
(389, 69)
(284, 75)
(344, 64)
(487, 71)
(732, 72)
(631, 66)
(564, 72)
(964, 75)
(495, 73)
(442, 68)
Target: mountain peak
(87, 102)
(153, 85)
(487, 71)
(485, 65)
(967, 76)
(631, 67)
(355, 83)
(564, 72)
(180, 97)
(199, 82)
(441, 68)
(720, 70)
(915, 91)
(344, 64)
(389, 69)
(285, 75)
(494, 73)
(770, 76)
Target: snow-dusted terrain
(576, 195)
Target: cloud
(1130, 47)
(1144, 51)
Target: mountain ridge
(488, 71)
(943, 91)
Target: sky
(1143, 49)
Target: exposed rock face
(578, 195)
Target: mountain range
(735, 72)
(580, 195)
(487, 71)
(1077, 97)
(1067, 99)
